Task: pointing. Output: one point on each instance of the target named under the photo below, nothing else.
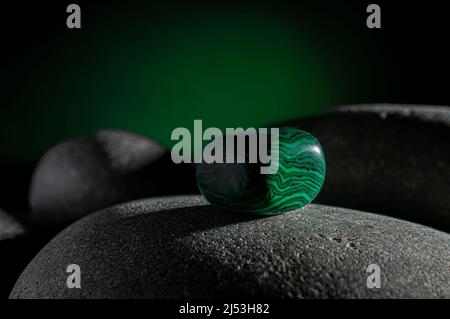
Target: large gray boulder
(181, 247)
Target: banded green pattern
(242, 188)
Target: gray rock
(9, 227)
(13, 259)
(80, 176)
(181, 247)
(388, 159)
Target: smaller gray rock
(9, 227)
(80, 176)
(181, 247)
(13, 258)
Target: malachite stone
(241, 187)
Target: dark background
(152, 67)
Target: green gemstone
(241, 187)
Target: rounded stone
(9, 226)
(387, 159)
(13, 258)
(294, 183)
(80, 176)
(181, 247)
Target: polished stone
(241, 186)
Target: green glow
(230, 69)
